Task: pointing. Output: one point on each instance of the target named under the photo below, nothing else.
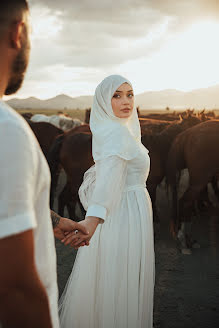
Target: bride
(112, 281)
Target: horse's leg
(76, 200)
(83, 212)
(203, 202)
(72, 205)
(54, 165)
(74, 185)
(75, 181)
(181, 236)
(67, 199)
(61, 203)
(152, 192)
(64, 199)
(186, 209)
(175, 218)
(152, 188)
(71, 210)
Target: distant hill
(200, 98)
(59, 102)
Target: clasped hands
(66, 231)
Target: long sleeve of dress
(111, 174)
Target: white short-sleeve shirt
(24, 196)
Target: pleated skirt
(112, 281)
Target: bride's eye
(130, 95)
(116, 95)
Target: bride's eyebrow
(122, 91)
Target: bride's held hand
(79, 239)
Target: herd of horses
(176, 141)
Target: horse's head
(190, 120)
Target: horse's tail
(54, 165)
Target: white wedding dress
(112, 281)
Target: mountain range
(199, 98)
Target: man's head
(14, 41)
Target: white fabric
(91, 190)
(112, 281)
(112, 135)
(24, 197)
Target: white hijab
(112, 135)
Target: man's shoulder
(10, 116)
(14, 124)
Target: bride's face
(123, 101)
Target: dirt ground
(187, 286)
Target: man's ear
(15, 34)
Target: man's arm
(55, 218)
(23, 299)
(63, 225)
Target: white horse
(40, 118)
(67, 123)
(60, 121)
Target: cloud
(76, 42)
(97, 38)
(122, 10)
(103, 33)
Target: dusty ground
(187, 286)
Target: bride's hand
(76, 240)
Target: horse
(71, 151)
(162, 117)
(158, 146)
(45, 134)
(60, 121)
(197, 150)
(27, 115)
(152, 125)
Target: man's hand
(66, 225)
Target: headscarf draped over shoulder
(112, 135)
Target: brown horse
(85, 128)
(45, 134)
(162, 117)
(197, 150)
(152, 125)
(72, 151)
(158, 146)
(27, 115)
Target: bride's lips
(125, 109)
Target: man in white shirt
(28, 281)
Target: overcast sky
(157, 44)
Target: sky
(156, 44)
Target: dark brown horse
(72, 151)
(152, 125)
(158, 146)
(162, 117)
(197, 150)
(27, 115)
(45, 134)
(85, 128)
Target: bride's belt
(134, 187)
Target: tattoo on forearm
(55, 218)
